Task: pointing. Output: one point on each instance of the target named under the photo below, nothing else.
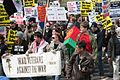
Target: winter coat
(113, 47)
(76, 65)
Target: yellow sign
(29, 3)
(84, 13)
(99, 17)
(86, 6)
(4, 18)
(11, 36)
(107, 23)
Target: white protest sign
(46, 64)
(73, 7)
(114, 10)
(56, 14)
(92, 16)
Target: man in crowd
(114, 51)
(81, 64)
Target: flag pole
(45, 18)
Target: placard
(73, 7)
(56, 14)
(46, 64)
(4, 18)
(29, 3)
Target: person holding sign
(37, 46)
(56, 45)
(20, 46)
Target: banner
(4, 19)
(56, 14)
(46, 64)
(41, 13)
(29, 3)
(73, 7)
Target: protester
(87, 36)
(37, 46)
(3, 49)
(56, 45)
(81, 64)
(20, 46)
(114, 51)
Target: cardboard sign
(56, 14)
(73, 7)
(42, 13)
(4, 19)
(46, 64)
(29, 3)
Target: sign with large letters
(46, 64)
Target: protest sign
(4, 18)
(46, 64)
(56, 14)
(107, 23)
(115, 10)
(85, 8)
(98, 7)
(29, 3)
(99, 17)
(73, 7)
(41, 13)
(11, 36)
(105, 8)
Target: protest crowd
(48, 42)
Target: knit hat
(19, 34)
(94, 24)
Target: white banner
(46, 64)
(56, 14)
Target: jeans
(56, 77)
(116, 68)
(100, 63)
